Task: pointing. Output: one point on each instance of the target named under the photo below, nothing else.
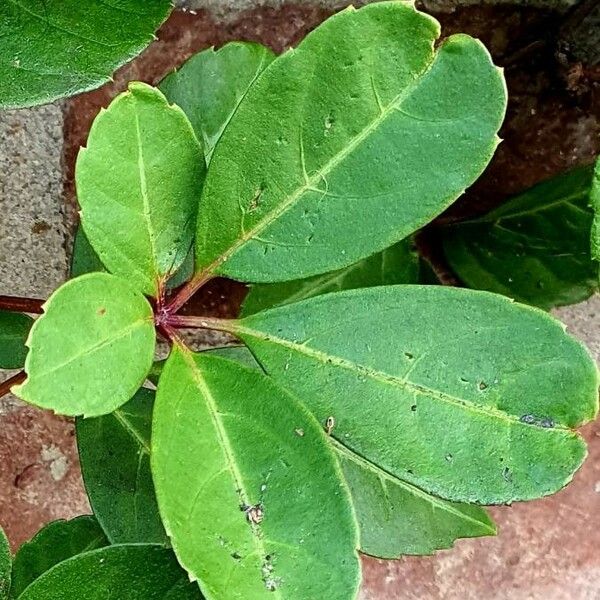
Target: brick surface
(546, 549)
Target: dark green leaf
(55, 48)
(398, 264)
(55, 543)
(251, 495)
(534, 248)
(115, 461)
(91, 349)
(84, 258)
(14, 329)
(124, 572)
(595, 203)
(461, 393)
(138, 183)
(5, 566)
(311, 176)
(210, 86)
(395, 518)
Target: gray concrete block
(33, 232)
(583, 321)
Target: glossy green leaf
(55, 543)
(311, 176)
(14, 329)
(395, 518)
(138, 183)
(398, 264)
(595, 204)
(534, 248)
(91, 349)
(114, 451)
(128, 571)
(5, 566)
(84, 258)
(55, 48)
(249, 492)
(461, 393)
(210, 86)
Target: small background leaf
(398, 264)
(84, 258)
(91, 349)
(55, 543)
(595, 203)
(14, 329)
(5, 566)
(461, 393)
(138, 183)
(330, 174)
(396, 518)
(115, 461)
(225, 438)
(55, 48)
(210, 86)
(132, 572)
(534, 248)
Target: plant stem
(200, 323)
(186, 292)
(5, 386)
(17, 304)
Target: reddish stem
(17, 304)
(186, 292)
(5, 386)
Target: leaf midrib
(132, 431)
(146, 212)
(60, 28)
(225, 444)
(319, 175)
(328, 359)
(495, 220)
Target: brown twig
(17, 304)
(6, 385)
(186, 292)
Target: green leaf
(138, 183)
(115, 461)
(210, 86)
(251, 495)
(395, 517)
(84, 258)
(463, 394)
(14, 329)
(55, 543)
(131, 571)
(398, 264)
(55, 48)
(91, 349)
(534, 248)
(5, 566)
(595, 204)
(311, 176)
